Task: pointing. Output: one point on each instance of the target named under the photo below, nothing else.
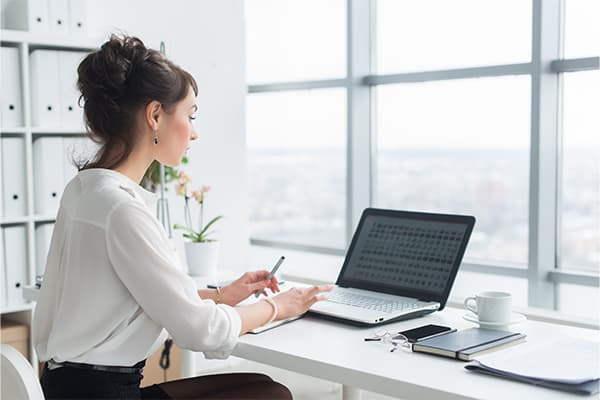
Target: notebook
(469, 343)
(400, 265)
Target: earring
(155, 137)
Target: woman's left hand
(247, 285)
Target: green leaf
(212, 221)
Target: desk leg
(188, 361)
(351, 393)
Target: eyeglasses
(397, 340)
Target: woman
(112, 286)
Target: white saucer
(515, 318)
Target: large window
(440, 34)
(450, 147)
(482, 108)
(297, 166)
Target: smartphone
(425, 332)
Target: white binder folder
(43, 236)
(77, 17)
(25, 15)
(3, 287)
(59, 16)
(11, 101)
(44, 89)
(15, 259)
(71, 115)
(79, 149)
(71, 153)
(13, 176)
(47, 174)
(1, 190)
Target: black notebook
(469, 343)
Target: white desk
(338, 353)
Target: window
(460, 146)
(580, 218)
(297, 166)
(481, 108)
(439, 34)
(289, 40)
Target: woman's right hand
(297, 301)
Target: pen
(270, 276)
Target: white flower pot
(202, 258)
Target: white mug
(491, 307)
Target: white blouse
(112, 283)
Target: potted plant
(202, 251)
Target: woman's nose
(194, 135)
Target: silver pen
(270, 276)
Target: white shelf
(14, 220)
(47, 40)
(19, 308)
(57, 131)
(13, 131)
(26, 42)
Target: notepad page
(564, 359)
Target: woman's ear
(152, 114)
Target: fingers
(260, 285)
(319, 289)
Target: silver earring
(155, 137)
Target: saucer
(515, 318)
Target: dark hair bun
(103, 75)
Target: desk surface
(338, 353)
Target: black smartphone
(425, 332)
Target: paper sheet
(564, 359)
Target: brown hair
(117, 81)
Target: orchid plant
(198, 196)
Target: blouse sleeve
(144, 261)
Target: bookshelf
(26, 42)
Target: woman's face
(175, 131)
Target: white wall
(205, 37)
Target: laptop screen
(406, 253)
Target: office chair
(19, 381)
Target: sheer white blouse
(113, 286)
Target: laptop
(400, 265)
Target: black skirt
(69, 382)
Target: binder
(44, 89)
(11, 101)
(25, 15)
(78, 149)
(77, 17)
(48, 174)
(1, 191)
(71, 115)
(3, 297)
(70, 154)
(58, 10)
(43, 236)
(15, 260)
(13, 176)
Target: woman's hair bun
(105, 72)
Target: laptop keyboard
(370, 302)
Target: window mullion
(544, 150)
(359, 156)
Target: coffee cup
(491, 307)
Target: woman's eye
(193, 117)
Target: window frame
(545, 70)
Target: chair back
(19, 381)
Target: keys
(370, 303)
